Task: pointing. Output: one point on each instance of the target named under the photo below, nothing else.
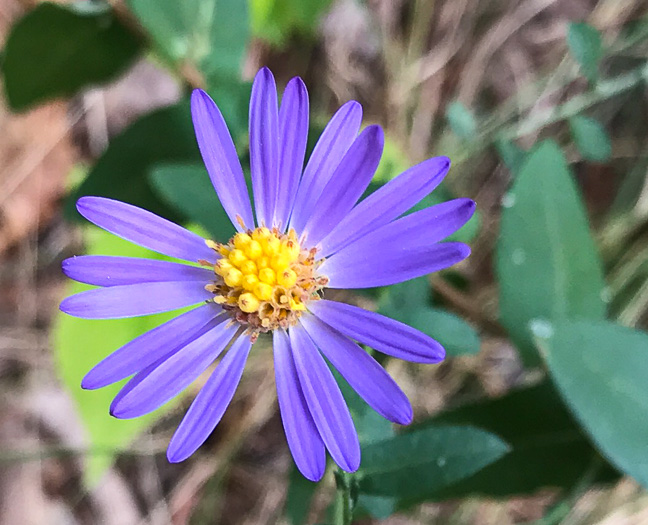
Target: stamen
(265, 278)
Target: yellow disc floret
(265, 278)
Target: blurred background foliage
(539, 414)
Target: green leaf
(590, 138)
(600, 369)
(461, 120)
(546, 260)
(55, 50)
(408, 302)
(79, 344)
(455, 334)
(511, 154)
(299, 497)
(401, 300)
(415, 465)
(392, 163)
(277, 20)
(165, 136)
(584, 43)
(549, 448)
(210, 35)
(187, 188)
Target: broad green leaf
(546, 260)
(600, 369)
(408, 302)
(165, 136)
(584, 44)
(590, 138)
(55, 50)
(208, 34)
(630, 188)
(455, 334)
(412, 466)
(187, 188)
(511, 154)
(392, 163)
(461, 120)
(79, 344)
(401, 300)
(378, 507)
(299, 497)
(275, 21)
(548, 448)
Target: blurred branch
(604, 90)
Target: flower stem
(344, 499)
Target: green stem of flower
(344, 500)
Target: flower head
(308, 233)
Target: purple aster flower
(310, 233)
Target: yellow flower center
(265, 278)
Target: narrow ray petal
(211, 402)
(401, 250)
(145, 228)
(293, 130)
(325, 401)
(305, 443)
(347, 184)
(331, 147)
(105, 270)
(133, 382)
(379, 332)
(361, 371)
(220, 158)
(175, 373)
(387, 203)
(376, 267)
(133, 300)
(152, 345)
(420, 229)
(264, 145)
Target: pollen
(265, 278)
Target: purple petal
(293, 130)
(361, 371)
(220, 158)
(387, 203)
(422, 228)
(377, 265)
(401, 250)
(145, 228)
(334, 142)
(325, 401)
(211, 402)
(347, 184)
(133, 300)
(151, 346)
(379, 332)
(175, 373)
(264, 145)
(305, 443)
(105, 270)
(133, 382)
